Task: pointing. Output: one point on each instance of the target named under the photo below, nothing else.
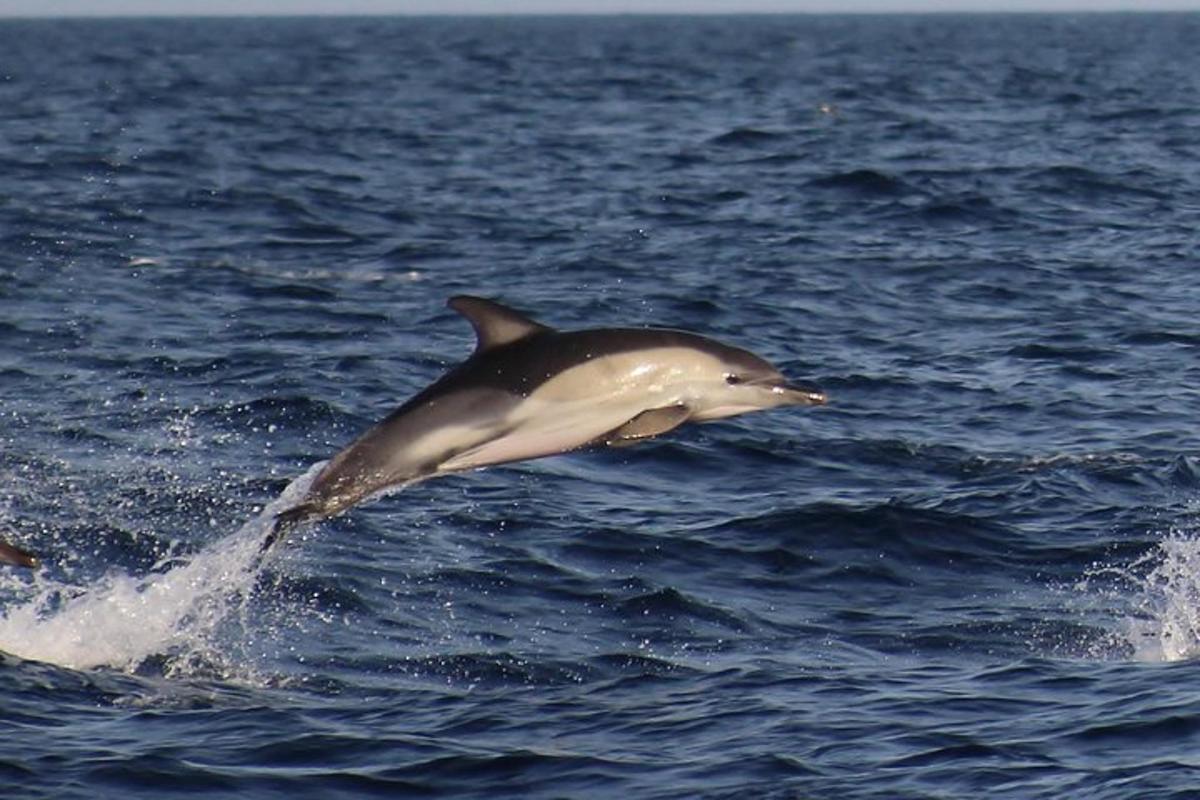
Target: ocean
(226, 247)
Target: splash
(1165, 623)
(1155, 598)
(177, 614)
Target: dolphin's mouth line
(803, 395)
(811, 395)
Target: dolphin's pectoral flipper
(654, 422)
(15, 555)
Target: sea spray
(176, 613)
(1154, 598)
(1165, 623)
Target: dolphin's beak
(798, 394)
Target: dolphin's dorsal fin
(494, 324)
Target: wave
(863, 182)
(746, 137)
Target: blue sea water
(225, 250)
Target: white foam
(1165, 621)
(124, 620)
(1152, 604)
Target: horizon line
(261, 14)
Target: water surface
(226, 249)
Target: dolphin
(15, 555)
(529, 390)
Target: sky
(43, 8)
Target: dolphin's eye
(732, 380)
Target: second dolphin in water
(10, 554)
(529, 390)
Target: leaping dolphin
(529, 390)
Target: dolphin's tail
(15, 555)
(285, 521)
